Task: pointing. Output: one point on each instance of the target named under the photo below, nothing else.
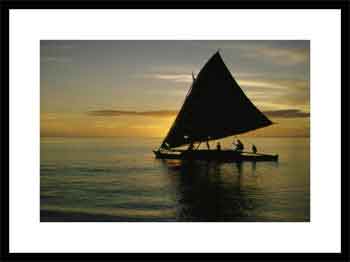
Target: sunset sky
(135, 88)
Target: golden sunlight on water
(118, 179)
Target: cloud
(54, 44)
(159, 113)
(287, 113)
(48, 116)
(247, 75)
(244, 79)
(273, 89)
(288, 56)
(264, 84)
(174, 77)
(55, 59)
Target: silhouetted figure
(208, 146)
(218, 146)
(254, 149)
(239, 146)
(190, 147)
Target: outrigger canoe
(215, 107)
(214, 155)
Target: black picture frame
(105, 4)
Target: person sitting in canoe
(218, 146)
(239, 146)
(254, 149)
(208, 146)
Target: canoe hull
(215, 155)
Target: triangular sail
(214, 108)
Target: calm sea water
(118, 179)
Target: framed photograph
(195, 130)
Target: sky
(135, 88)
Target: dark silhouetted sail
(214, 108)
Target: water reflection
(214, 192)
(116, 180)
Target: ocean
(118, 179)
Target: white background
(27, 27)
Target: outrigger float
(215, 107)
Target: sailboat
(215, 107)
